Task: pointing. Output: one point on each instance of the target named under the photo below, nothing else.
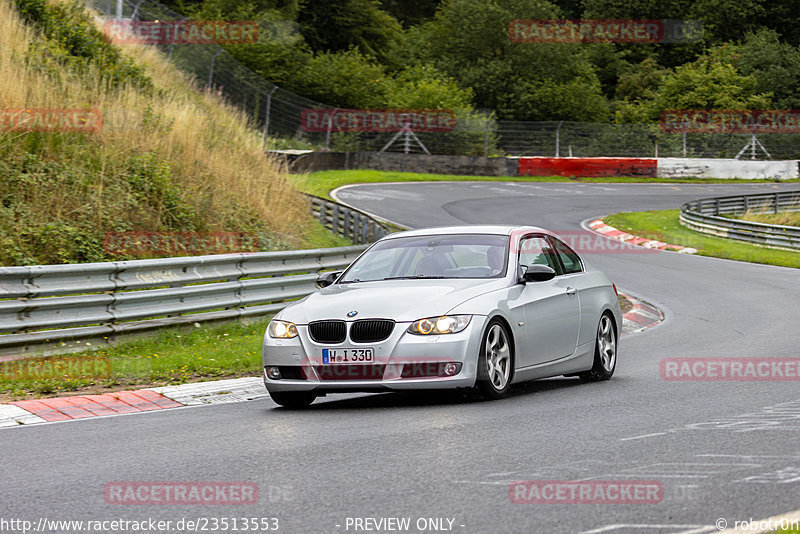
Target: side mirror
(326, 279)
(537, 273)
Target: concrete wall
(464, 165)
(437, 164)
(323, 161)
(726, 168)
(588, 167)
(544, 166)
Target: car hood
(401, 300)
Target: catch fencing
(706, 215)
(278, 114)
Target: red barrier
(589, 167)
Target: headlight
(446, 324)
(282, 329)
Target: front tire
(495, 362)
(605, 352)
(292, 399)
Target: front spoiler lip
(341, 386)
(465, 379)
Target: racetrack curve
(720, 449)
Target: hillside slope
(164, 157)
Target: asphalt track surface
(721, 449)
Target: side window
(535, 250)
(569, 259)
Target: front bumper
(401, 362)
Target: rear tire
(292, 399)
(495, 362)
(605, 352)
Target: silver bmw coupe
(478, 307)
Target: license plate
(344, 356)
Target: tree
(338, 25)
(345, 79)
(774, 65)
(469, 41)
(280, 51)
(710, 82)
(411, 12)
(422, 86)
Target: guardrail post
(777, 201)
(335, 219)
(364, 230)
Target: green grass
(664, 226)
(321, 183)
(318, 236)
(172, 356)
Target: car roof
(489, 229)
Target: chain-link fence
(279, 114)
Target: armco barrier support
(588, 167)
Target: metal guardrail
(704, 215)
(57, 308)
(45, 307)
(348, 222)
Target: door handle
(571, 290)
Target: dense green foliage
(72, 40)
(358, 53)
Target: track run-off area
(716, 449)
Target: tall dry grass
(783, 218)
(209, 152)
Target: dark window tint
(568, 257)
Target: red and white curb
(28, 412)
(609, 231)
(55, 409)
(642, 316)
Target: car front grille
(371, 330)
(327, 331)
(350, 372)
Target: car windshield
(433, 256)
